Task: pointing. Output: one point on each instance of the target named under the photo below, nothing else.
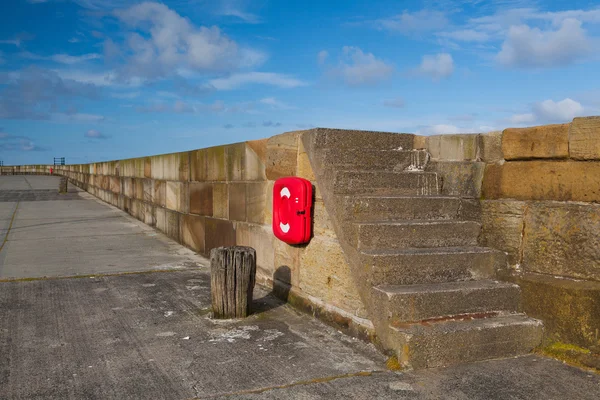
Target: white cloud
(68, 59)
(237, 8)
(441, 129)
(161, 41)
(466, 35)
(549, 111)
(94, 134)
(322, 57)
(276, 104)
(418, 22)
(532, 47)
(395, 103)
(437, 66)
(520, 119)
(359, 68)
(564, 110)
(247, 78)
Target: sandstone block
(584, 140)
(260, 149)
(459, 178)
(216, 165)
(256, 201)
(128, 186)
(220, 200)
(547, 141)
(160, 193)
(177, 198)
(261, 239)
(254, 166)
(325, 274)
(490, 147)
(502, 228)
(218, 232)
(237, 201)
(562, 239)
(139, 189)
(149, 214)
(282, 153)
(148, 188)
(201, 198)
(543, 180)
(287, 262)
(198, 165)
(176, 166)
(235, 156)
(156, 167)
(463, 147)
(192, 232)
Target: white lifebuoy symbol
(285, 192)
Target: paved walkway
(148, 335)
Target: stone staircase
(430, 289)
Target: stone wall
(539, 190)
(222, 196)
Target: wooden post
(62, 186)
(232, 278)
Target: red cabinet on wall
(292, 203)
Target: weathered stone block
(562, 239)
(218, 232)
(216, 166)
(304, 168)
(254, 166)
(139, 189)
(128, 168)
(282, 153)
(149, 214)
(463, 147)
(192, 232)
(198, 165)
(459, 178)
(128, 186)
(220, 200)
(237, 201)
(160, 193)
(235, 156)
(148, 188)
(419, 142)
(325, 274)
(568, 308)
(547, 141)
(177, 198)
(260, 149)
(490, 147)
(176, 166)
(201, 198)
(322, 224)
(584, 139)
(256, 201)
(543, 180)
(157, 167)
(502, 228)
(260, 238)
(287, 259)
(168, 223)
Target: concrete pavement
(149, 335)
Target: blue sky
(94, 80)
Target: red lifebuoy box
(292, 203)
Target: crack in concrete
(289, 385)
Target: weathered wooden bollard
(62, 186)
(232, 278)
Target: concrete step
(412, 303)
(341, 138)
(386, 183)
(393, 235)
(431, 265)
(375, 159)
(395, 208)
(443, 343)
